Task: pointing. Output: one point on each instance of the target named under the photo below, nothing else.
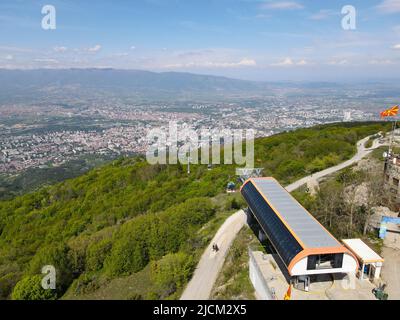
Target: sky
(299, 40)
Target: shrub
(30, 288)
(172, 272)
(7, 283)
(151, 236)
(57, 256)
(97, 253)
(235, 203)
(86, 283)
(135, 296)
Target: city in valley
(42, 135)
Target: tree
(57, 256)
(172, 272)
(97, 253)
(351, 180)
(129, 255)
(328, 200)
(374, 196)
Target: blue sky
(248, 39)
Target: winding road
(206, 273)
(362, 152)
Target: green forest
(129, 218)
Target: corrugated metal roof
(362, 251)
(300, 221)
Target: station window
(325, 261)
(396, 182)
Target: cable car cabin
(303, 244)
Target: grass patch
(368, 144)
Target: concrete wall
(257, 279)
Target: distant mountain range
(143, 83)
(28, 85)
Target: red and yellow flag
(288, 294)
(393, 111)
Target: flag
(288, 294)
(393, 111)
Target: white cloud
(321, 15)
(389, 6)
(396, 46)
(94, 49)
(121, 54)
(133, 48)
(60, 49)
(263, 16)
(287, 62)
(245, 62)
(16, 49)
(338, 62)
(302, 62)
(380, 62)
(46, 60)
(282, 5)
(9, 57)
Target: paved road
(199, 288)
(362, 152)
(390, 272)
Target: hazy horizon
(232, 77)
(266, 40)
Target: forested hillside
(130, 218)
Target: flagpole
(392, 112)
(392, 138)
